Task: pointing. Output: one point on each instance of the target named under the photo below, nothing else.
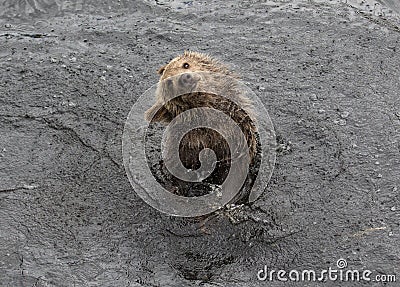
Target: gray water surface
(70, 72)
(44, 8)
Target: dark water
(70, 73)
(378, 7)
(28, 9)
(391, 4)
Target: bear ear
(161, 69)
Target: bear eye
(185, 65)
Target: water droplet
(344, 115)
(341, 122)
(30, 186)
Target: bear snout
(186, 80)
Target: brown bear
(186, 83)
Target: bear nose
(186, 79)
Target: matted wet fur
(174, 78)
